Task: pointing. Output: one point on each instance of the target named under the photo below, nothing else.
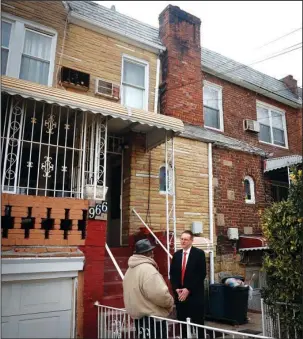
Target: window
(5, 39)
(134, 83)
(272, 125)
(27, 50)
(249, 190)
(162, 180)
(212, 102)
(279, 192)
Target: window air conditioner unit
(107, 89)
(251, 125)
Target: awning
(252, 243)
(276, 163)
(154, 125)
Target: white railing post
(114, 261)
(263, 316)
(188, 325)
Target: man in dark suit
(187, 274)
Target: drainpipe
(157, 86)
(211, 212)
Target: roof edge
(253, 87)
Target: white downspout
(211, 212)
(157, 86)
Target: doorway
(114, 199)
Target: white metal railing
(49, 150)
(117, 323)
(114, 261)
(274, 324)
(152, 233)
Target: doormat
(250, 331)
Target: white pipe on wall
(157, 86)
(211, 211)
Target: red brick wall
(240, 103)
(94, 251)
(181, 65)
(229, 169)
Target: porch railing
(114, 261)
(274, 323)
(116, 323)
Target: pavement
(254, 323)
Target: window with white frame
(212, 106)
(6, 28)
(134, 83)
(162, 179)
(272, 125)
(27, 50)
(249, 190)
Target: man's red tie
(183, 267)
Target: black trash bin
(236, 302)
(216, 301)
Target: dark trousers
(152, 328)
(195, 312)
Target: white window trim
(252, 200)
(282, 112)
(169, 184)
(220, 99)
(10, 38)
(17, 34)
(146, 84)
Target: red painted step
(113, 301)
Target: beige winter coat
(144, 289)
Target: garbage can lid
(233, 276)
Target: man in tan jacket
(145, 292)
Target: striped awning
(152, 124)
(252, 243)
(276, 163)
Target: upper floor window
(213, 109)
(27, 50)
(5, 39)
(249, 189)
(272, 125)
(134, 83)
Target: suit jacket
(195, 274)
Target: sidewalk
(254, 323)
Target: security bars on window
(49, 150)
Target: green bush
(282, 225)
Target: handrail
(153, 234)
(114, 261)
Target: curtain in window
(36, 57)
(5, 37)
(211, 107)
(133, 85)
(277, 128)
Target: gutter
(157, 85)
(211, 211)
(76, 16)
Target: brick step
(111, 275)
(120, 252)
(113, 301)
(113, 288)
(121, 261)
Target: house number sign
(98, 211)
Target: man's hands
(182, 293)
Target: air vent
(74, 79)
(251, 125)
(107, 89)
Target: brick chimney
(291, 83)
(181, 87)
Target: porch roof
(153, 124)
